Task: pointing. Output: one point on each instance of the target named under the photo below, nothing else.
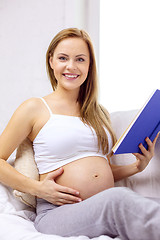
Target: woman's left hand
(144, 158)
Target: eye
(80, 59)
(62, 58)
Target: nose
(71, 65)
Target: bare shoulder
(19, 126)
(30, 105)
(29, 109)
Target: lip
(70, 76)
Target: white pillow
(146, 183)
(25, 164)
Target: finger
(60, 203)
(138, 155)
(53, 175)
(150, 145)
(67, 198)
(67, 190)
(143, 149)
(155, 139)
(64, 201)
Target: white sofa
(16, 219)
(146, 183)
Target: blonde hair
(91, 112)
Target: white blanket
(16, 220)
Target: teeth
(71, 76)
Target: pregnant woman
(72, 140)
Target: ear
(51, 62)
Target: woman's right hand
(55, 193)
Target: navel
(95, 175)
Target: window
(129, 66)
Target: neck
(68, 96)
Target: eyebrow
(79, 55)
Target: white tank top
(64, 139)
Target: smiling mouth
(70, 76)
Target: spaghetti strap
(46, 105)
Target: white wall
(129, 52)
(84, 14)
(26, 29)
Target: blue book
(145, 124)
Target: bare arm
(142, 160)
(123, 171)
(19, 127)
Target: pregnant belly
(88, 175)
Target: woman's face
(70, 63)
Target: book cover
(145, 124)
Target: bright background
(126, 38)
(26, 29)
(129, 63)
